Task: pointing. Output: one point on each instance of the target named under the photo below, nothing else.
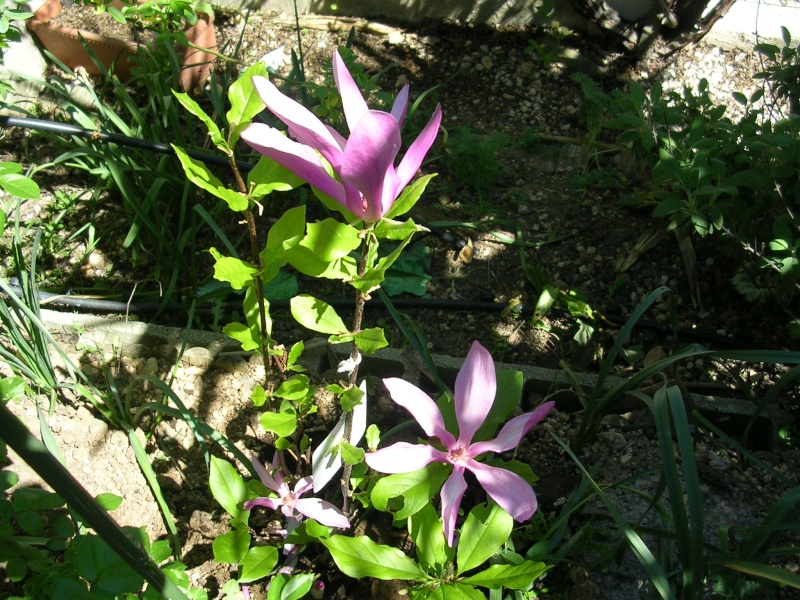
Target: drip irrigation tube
(158, 147)
(92, 304)
(116, 138)
(116, 306)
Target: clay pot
(65, 44)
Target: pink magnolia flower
(475, 389)
(290, 503)
(364, 178)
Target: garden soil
(553, 194)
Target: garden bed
(535, 204)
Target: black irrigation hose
(116, 138)
(158, 147)
(116, 306)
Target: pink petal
(303, 125)
(415, 154)
(370, 151)
(322, 511)
(421, 407)
(476, 386)
(271, 503)
(263, 475)
(400, 105)
(353, 103)
(451, 494)
(298, 158)
(512, 432)
(302, 486)
(511, 492)
(403, 457)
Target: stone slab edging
(133, 338)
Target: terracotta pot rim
(72, 32)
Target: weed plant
(712, 176)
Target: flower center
(289, 500)
(458, 454)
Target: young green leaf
(485, 530)
(281, 424)
(408, 198)
(231, 547)
(515, 577)
(235, 271)
(245, 101)
(361, 557)
(267, 177)
(202, 177)
(257, 563)
(370, 340)
(425, 528)
(316, 315)
(330, 239)
(416, 489)
(213, 130)
(228, 488)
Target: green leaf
(425, 528)
(454, 591)
(20, 186)
(235, 271)
(108, 501)
(316, 315)
(361, 557)
(259, 396)
(406, 201)
(387, 229)
(416, 489)
(410, 274)
(268, 176)
(283, 587)
(281, 424)
(308, 263)
(203, 178)
(242, 334)
(351, 454)
(12, 388)
(370, 340)
(351, 398)
(245, 101)
(485, 530)
(373, 437)
(515, 577)
(228, 488)
(257, 563)
(294, 388)
(231, 547)
(213, 130)
(330, 239)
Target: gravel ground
(500, 89)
